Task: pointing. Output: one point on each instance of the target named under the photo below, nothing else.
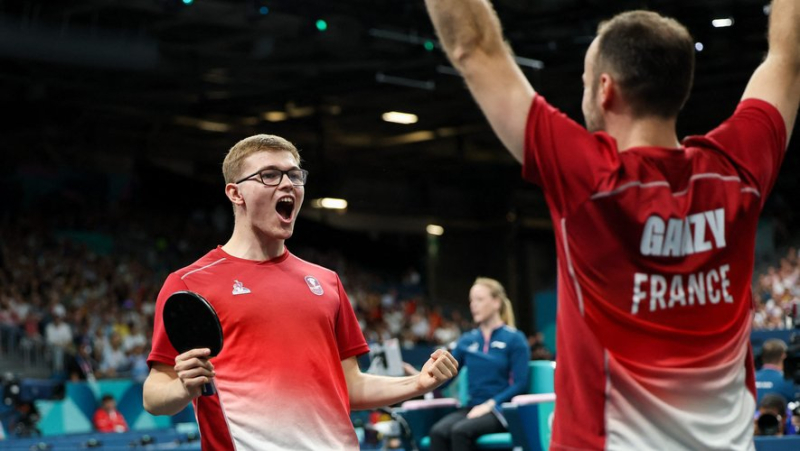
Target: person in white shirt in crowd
(58, 335)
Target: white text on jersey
(679, 237)
(681, 290)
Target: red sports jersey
(287, 325)
(105, 421)
(655, 259)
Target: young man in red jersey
(287, 377)
(654, 237)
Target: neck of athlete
(650, 131)
(491, 323)
(249, 243)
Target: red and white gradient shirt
(287, 325)
(655, 258)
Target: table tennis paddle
(192, 323)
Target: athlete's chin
(279, 232)
(285, 232)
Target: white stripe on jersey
(200, 269)
(569, 264)
(663, 183)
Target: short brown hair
(652, 59)
(232, 165)
(772, 351)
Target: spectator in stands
(770, 378)
(82, 365)
(771, 416)
(58, 335)
(539, 350)
(107, 418)
(778, 295)
(497, 356)
(137, 362)
(419, 324)
(447, 332)
(115, 360)
(134, 338)
(25, 419)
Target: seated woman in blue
(497, 356)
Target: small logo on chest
(239, 288)
(313, 285)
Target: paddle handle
(209, 389)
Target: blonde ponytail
(507, 313)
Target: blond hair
(234, 160)
(497, 291)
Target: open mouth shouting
(285, 208)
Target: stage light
(329, 203)
(322, 25)
(187, 2)
(435, 230)
(275, 116)
(699, 46)
(722, 22)
(399, 118)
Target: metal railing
(30, 354)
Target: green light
(429, 46)
(188, 2)
(322, 25)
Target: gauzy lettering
(680, 237)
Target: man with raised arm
(654, 236)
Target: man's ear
(607, 91)
(233, 193)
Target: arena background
(117, 114)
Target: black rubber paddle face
(192, 323)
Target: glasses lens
(271, 177)
(297, 176)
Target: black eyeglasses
(273, 177)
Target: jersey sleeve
(459, 352)
(349, 338)
(755, 139)
(519, 356)
(562, 157)
(162, 350)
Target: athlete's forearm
(368, 391)
(465, 27)
(163, 395)
(784, 31)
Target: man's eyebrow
(272, 166)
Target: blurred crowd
(776, 294)
(88, 313)
(85, 301)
